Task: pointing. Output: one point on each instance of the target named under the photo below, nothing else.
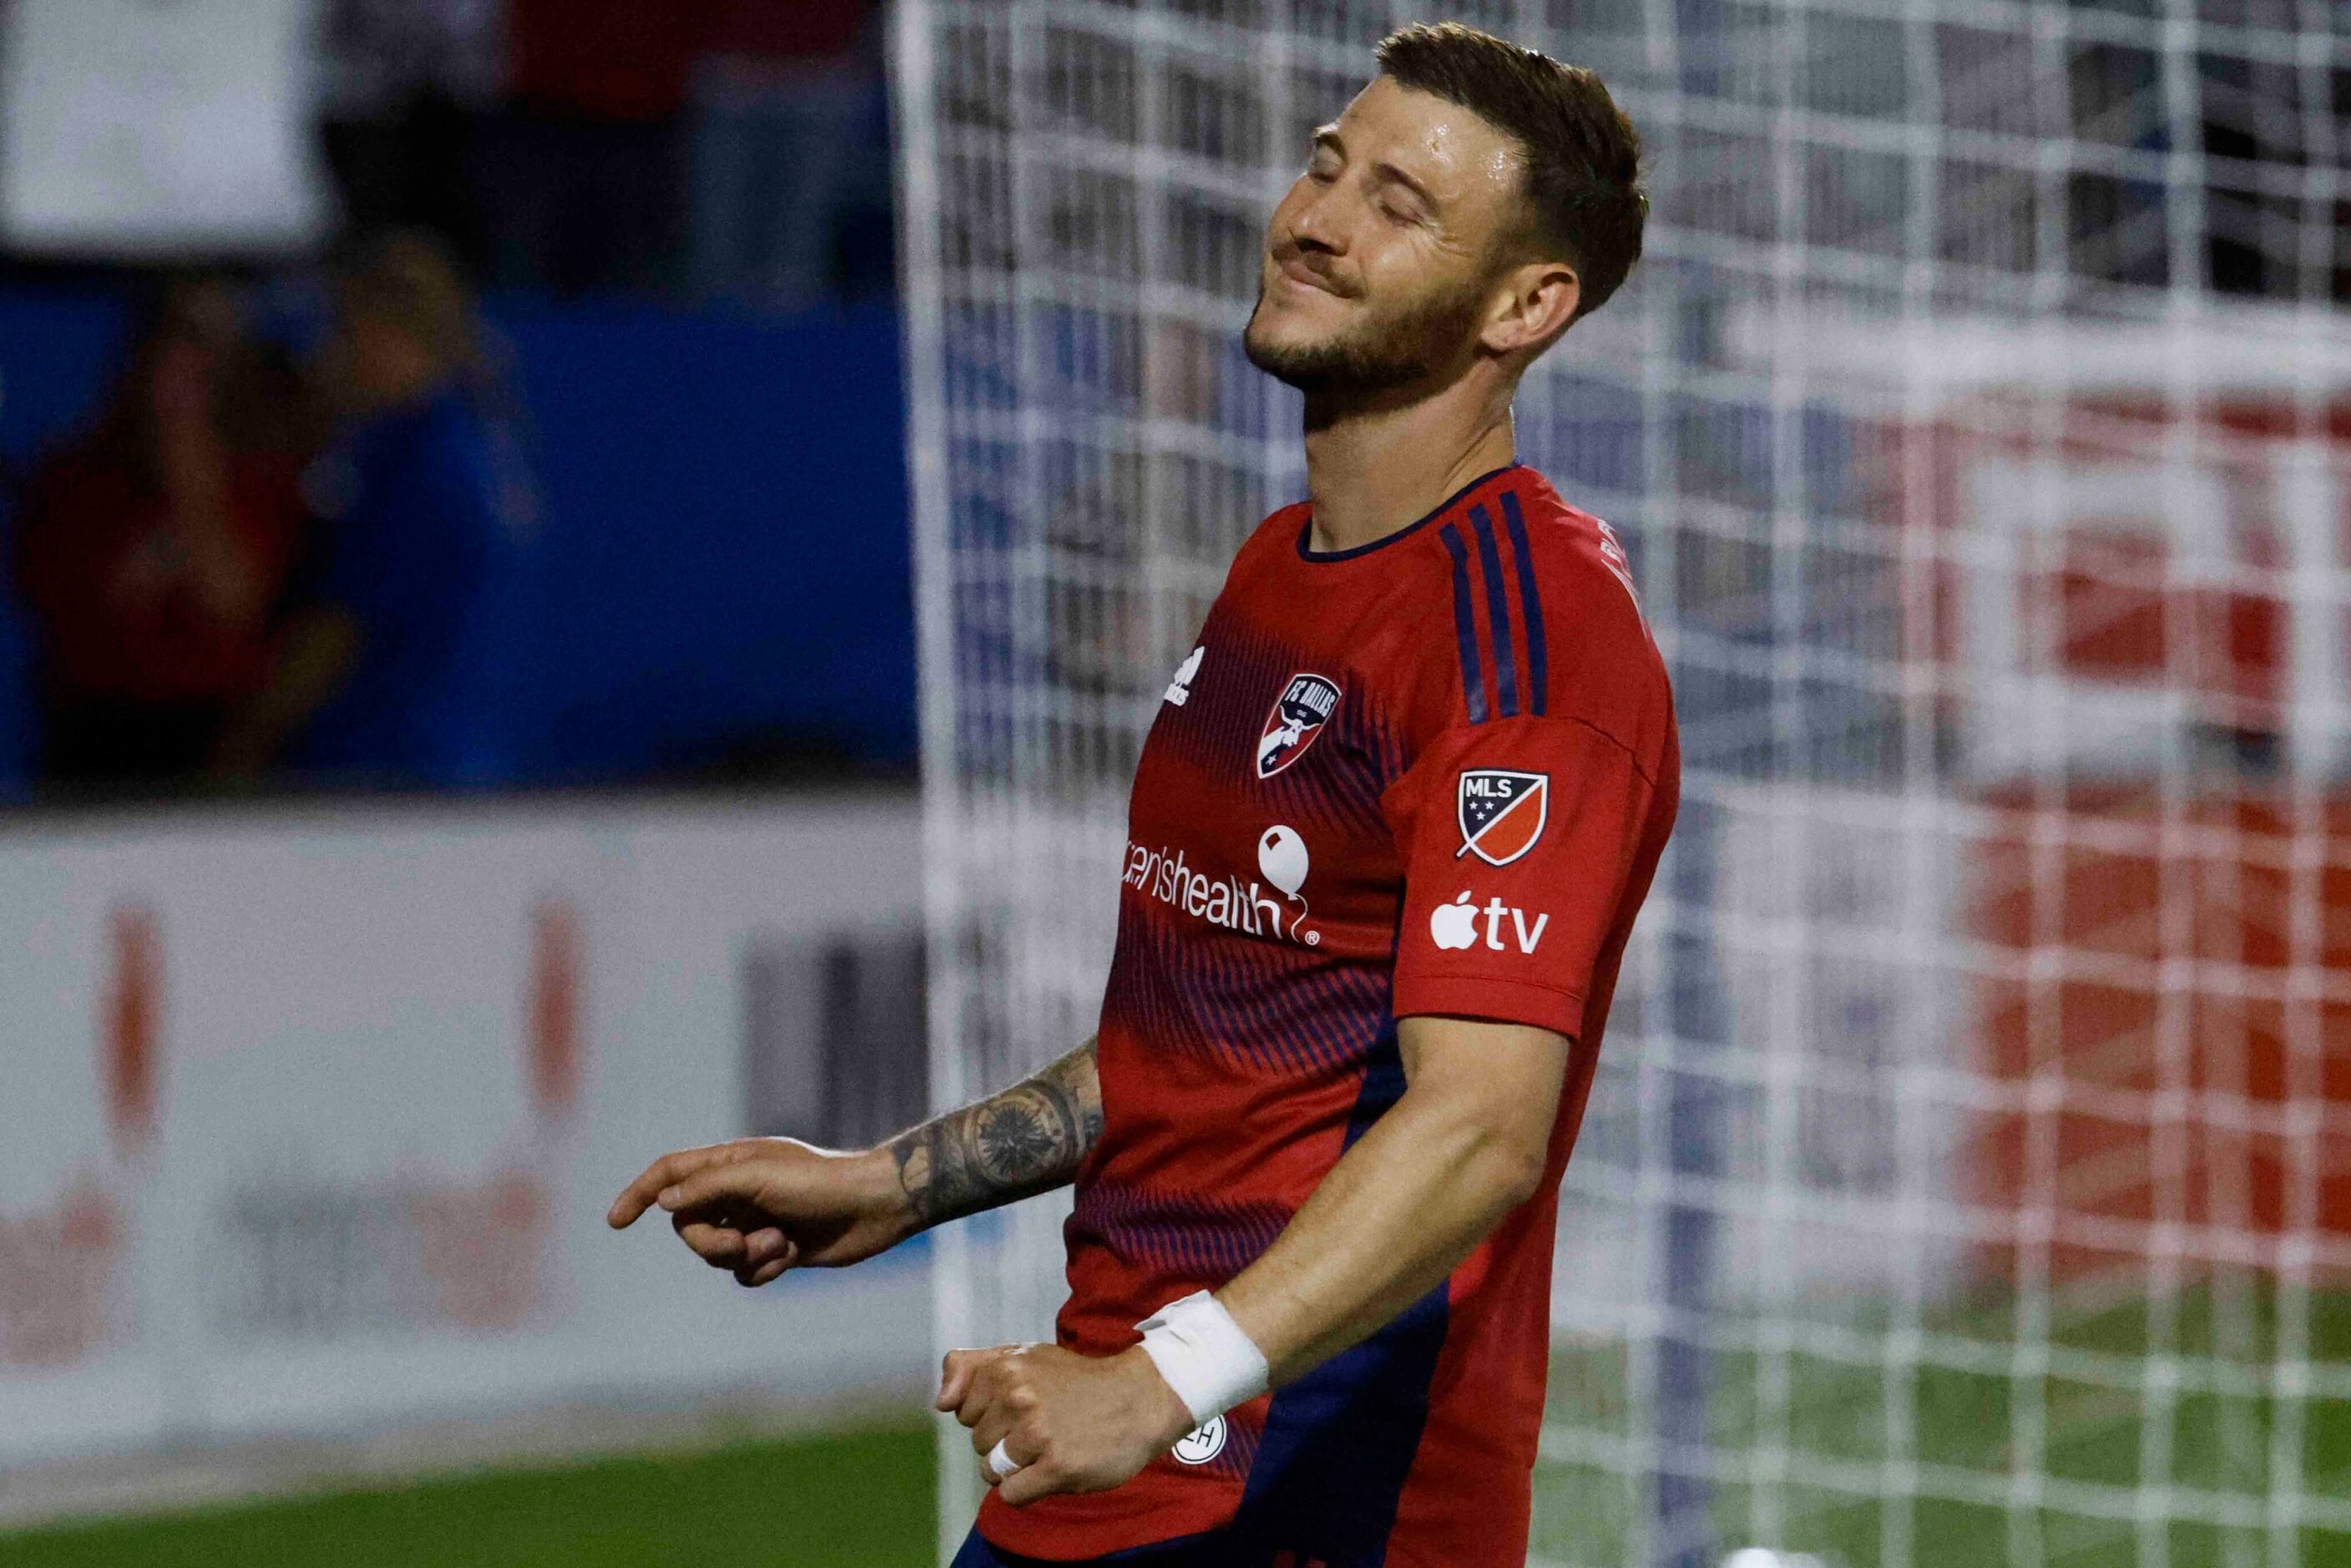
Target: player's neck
(1373, 471)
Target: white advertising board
(129, 128)
(309, 1125)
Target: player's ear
(1535, 302)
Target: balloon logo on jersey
(1305, 705)
(1282, 857)
(1502, 812)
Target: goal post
(1968, 1177)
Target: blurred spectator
(791, 130)
(153, 553)
(379, 675)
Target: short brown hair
(1582, 156)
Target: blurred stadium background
(585, 577)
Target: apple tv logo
(1453, 926)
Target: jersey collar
(1317, 557)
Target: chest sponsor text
(1251, 908)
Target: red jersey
(1430, 774)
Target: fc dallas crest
(1502, 813)
(1305, 705)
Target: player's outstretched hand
(758, 1207)
(1071, 1423)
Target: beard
(1380, 353)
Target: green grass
(861, 1500)
(865, 1499)
(1837, 1413)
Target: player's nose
(1314, 226)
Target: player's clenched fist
(1068, 1423)
(758, 1207)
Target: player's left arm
(1466, 1145)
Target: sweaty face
(1379, 264)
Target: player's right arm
(758, 1207)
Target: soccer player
(1388, 835)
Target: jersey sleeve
(1517, 838)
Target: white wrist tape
(1204, 1356)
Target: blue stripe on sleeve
(1498, 614)
(1464, 624)
(1530, 602)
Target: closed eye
(1323, 163)
(1401, 197)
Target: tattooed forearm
(1029, 1139)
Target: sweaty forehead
(1453, 151)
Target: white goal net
(1968, 1179)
